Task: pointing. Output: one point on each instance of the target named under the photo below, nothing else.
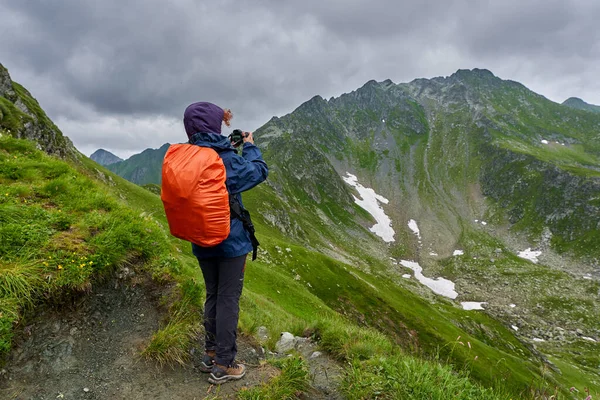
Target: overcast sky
(117, 74)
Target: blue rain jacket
(242, 173)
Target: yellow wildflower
(59, 266)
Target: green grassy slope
(142, 168)
(57, 240)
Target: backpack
(194, 194)
(197, 203)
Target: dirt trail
(92, 352)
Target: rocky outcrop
(21, 116)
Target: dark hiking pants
(224, 279)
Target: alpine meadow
(433, 239)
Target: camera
(237, 137)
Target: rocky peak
(22, 117)
(474, 73)
(104, 157)
(315, 104)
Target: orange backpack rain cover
(194, 194)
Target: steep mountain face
(575, 102)
(22, 117)
(142, 168)
(479, 164)
(104, 157)
(439, 148)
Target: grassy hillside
(143, 168)
(58, 240)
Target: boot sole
(217, 381)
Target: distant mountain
(142, 168)
(575, 102)
(104, 157)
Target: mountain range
(455, 218)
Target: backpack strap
(239, 212)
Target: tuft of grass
(292, 381)
(170, 344)
(19, 281)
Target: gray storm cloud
(118, 74)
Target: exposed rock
(262, 333)
(286, 342)
(31, 122)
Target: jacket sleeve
(248, 170)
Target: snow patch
(458, 253)
(537, 339)
(472, 305)
(513, 305)
(544, 141)
(433, 253)
(483, 223)
(407, 276)
(589, 339)
(370, 202)
(412, 224)
(514, 327)
(438, 285)
(530, 255)
(587, 276)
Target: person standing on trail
(223, 265)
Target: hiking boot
(221, 374)
(208, 361)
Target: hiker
(223, 265)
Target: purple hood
(202, 117)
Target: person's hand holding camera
(248, 137)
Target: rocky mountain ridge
(576, 102)
(22, 117)
(104, 157)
